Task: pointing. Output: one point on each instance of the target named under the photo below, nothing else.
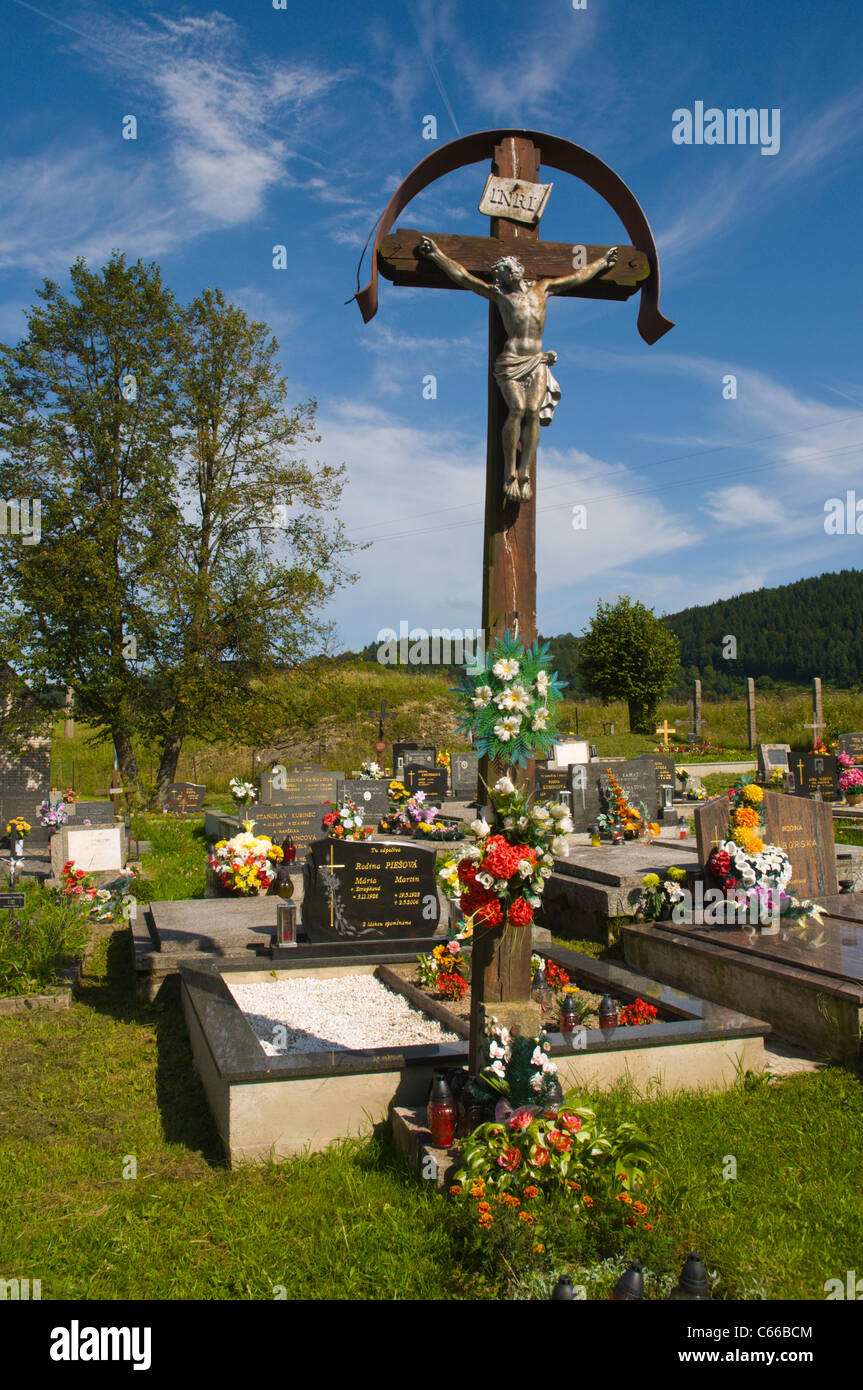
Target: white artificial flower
(539, 815)
(504, 1035)
(559, 845)
(520, 698)
(536, 1082)
(542, 681)
(544, 872)
(479, 828)
(539, 721)
(485, 880)
(498, 1069)
(508, 822)
(504, 786)
(500, 884)
(481, 697)
(502, 732)
(525, 868)
(506, 669)
(566, 826)
(557, 811)
(547, 859)
(536, 1059)
(472, 852)
(495, 1051)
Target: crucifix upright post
(521, 394)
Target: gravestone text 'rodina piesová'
(361, 890)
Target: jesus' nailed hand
(522, 369)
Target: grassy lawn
(84, 1091)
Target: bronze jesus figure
(522, 369)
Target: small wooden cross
(800, 770)
(814, 726)
(665, 730)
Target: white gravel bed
(342, 1013)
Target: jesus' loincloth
(513, 366)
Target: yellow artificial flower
(746, 816)
(753, 794)
(651, 880)
(677, 875)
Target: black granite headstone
(183, 798)
(303, 822)
(363, 890)
(638, 781)
(96, 812)
(587, 800)
(284, 788)
(551, 781)
(371, 797)
(431, 780)
(401, 750)
(813, 773)
(852, 744)
(464, 772)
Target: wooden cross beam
(400, 261)
(665, 730)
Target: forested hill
(813, 627)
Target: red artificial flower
(540, 1157)
(468, 870)
(520, 913)
(569, 1121)
(329, 818)
(562, 1142)
(520, 1120)
(501, 858)
(510, 1159)
(489, 914)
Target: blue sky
(259, 126)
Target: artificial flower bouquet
(446, 969)
(507, 706)
(17, 828)
(346, 822)
(661, 895)
(501, 875)
(398, 792)
(243, 864)
(634, 818)
(421, 821)
(851, 777)
(52, 812)
(370, 771)
(244, 793)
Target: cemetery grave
(805, 978)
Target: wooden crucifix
(520, 388)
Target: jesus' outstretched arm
(456, 272)
(580, 277)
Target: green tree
(185, 551)
(628, 654)
(255, 551)
(86, 418)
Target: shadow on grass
(180, 1097)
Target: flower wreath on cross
(508, 704)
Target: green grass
(176, 866)
(36, 940)
(85, 1090)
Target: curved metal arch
(557, 154)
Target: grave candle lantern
(568, 1015)
(630, 1286)
(607, 1012)
(540, 990)
(564, 1290)
(286, 924)
(441, 1113)
(692, 1286)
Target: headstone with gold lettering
(363, 890)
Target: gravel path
(341, 1013)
